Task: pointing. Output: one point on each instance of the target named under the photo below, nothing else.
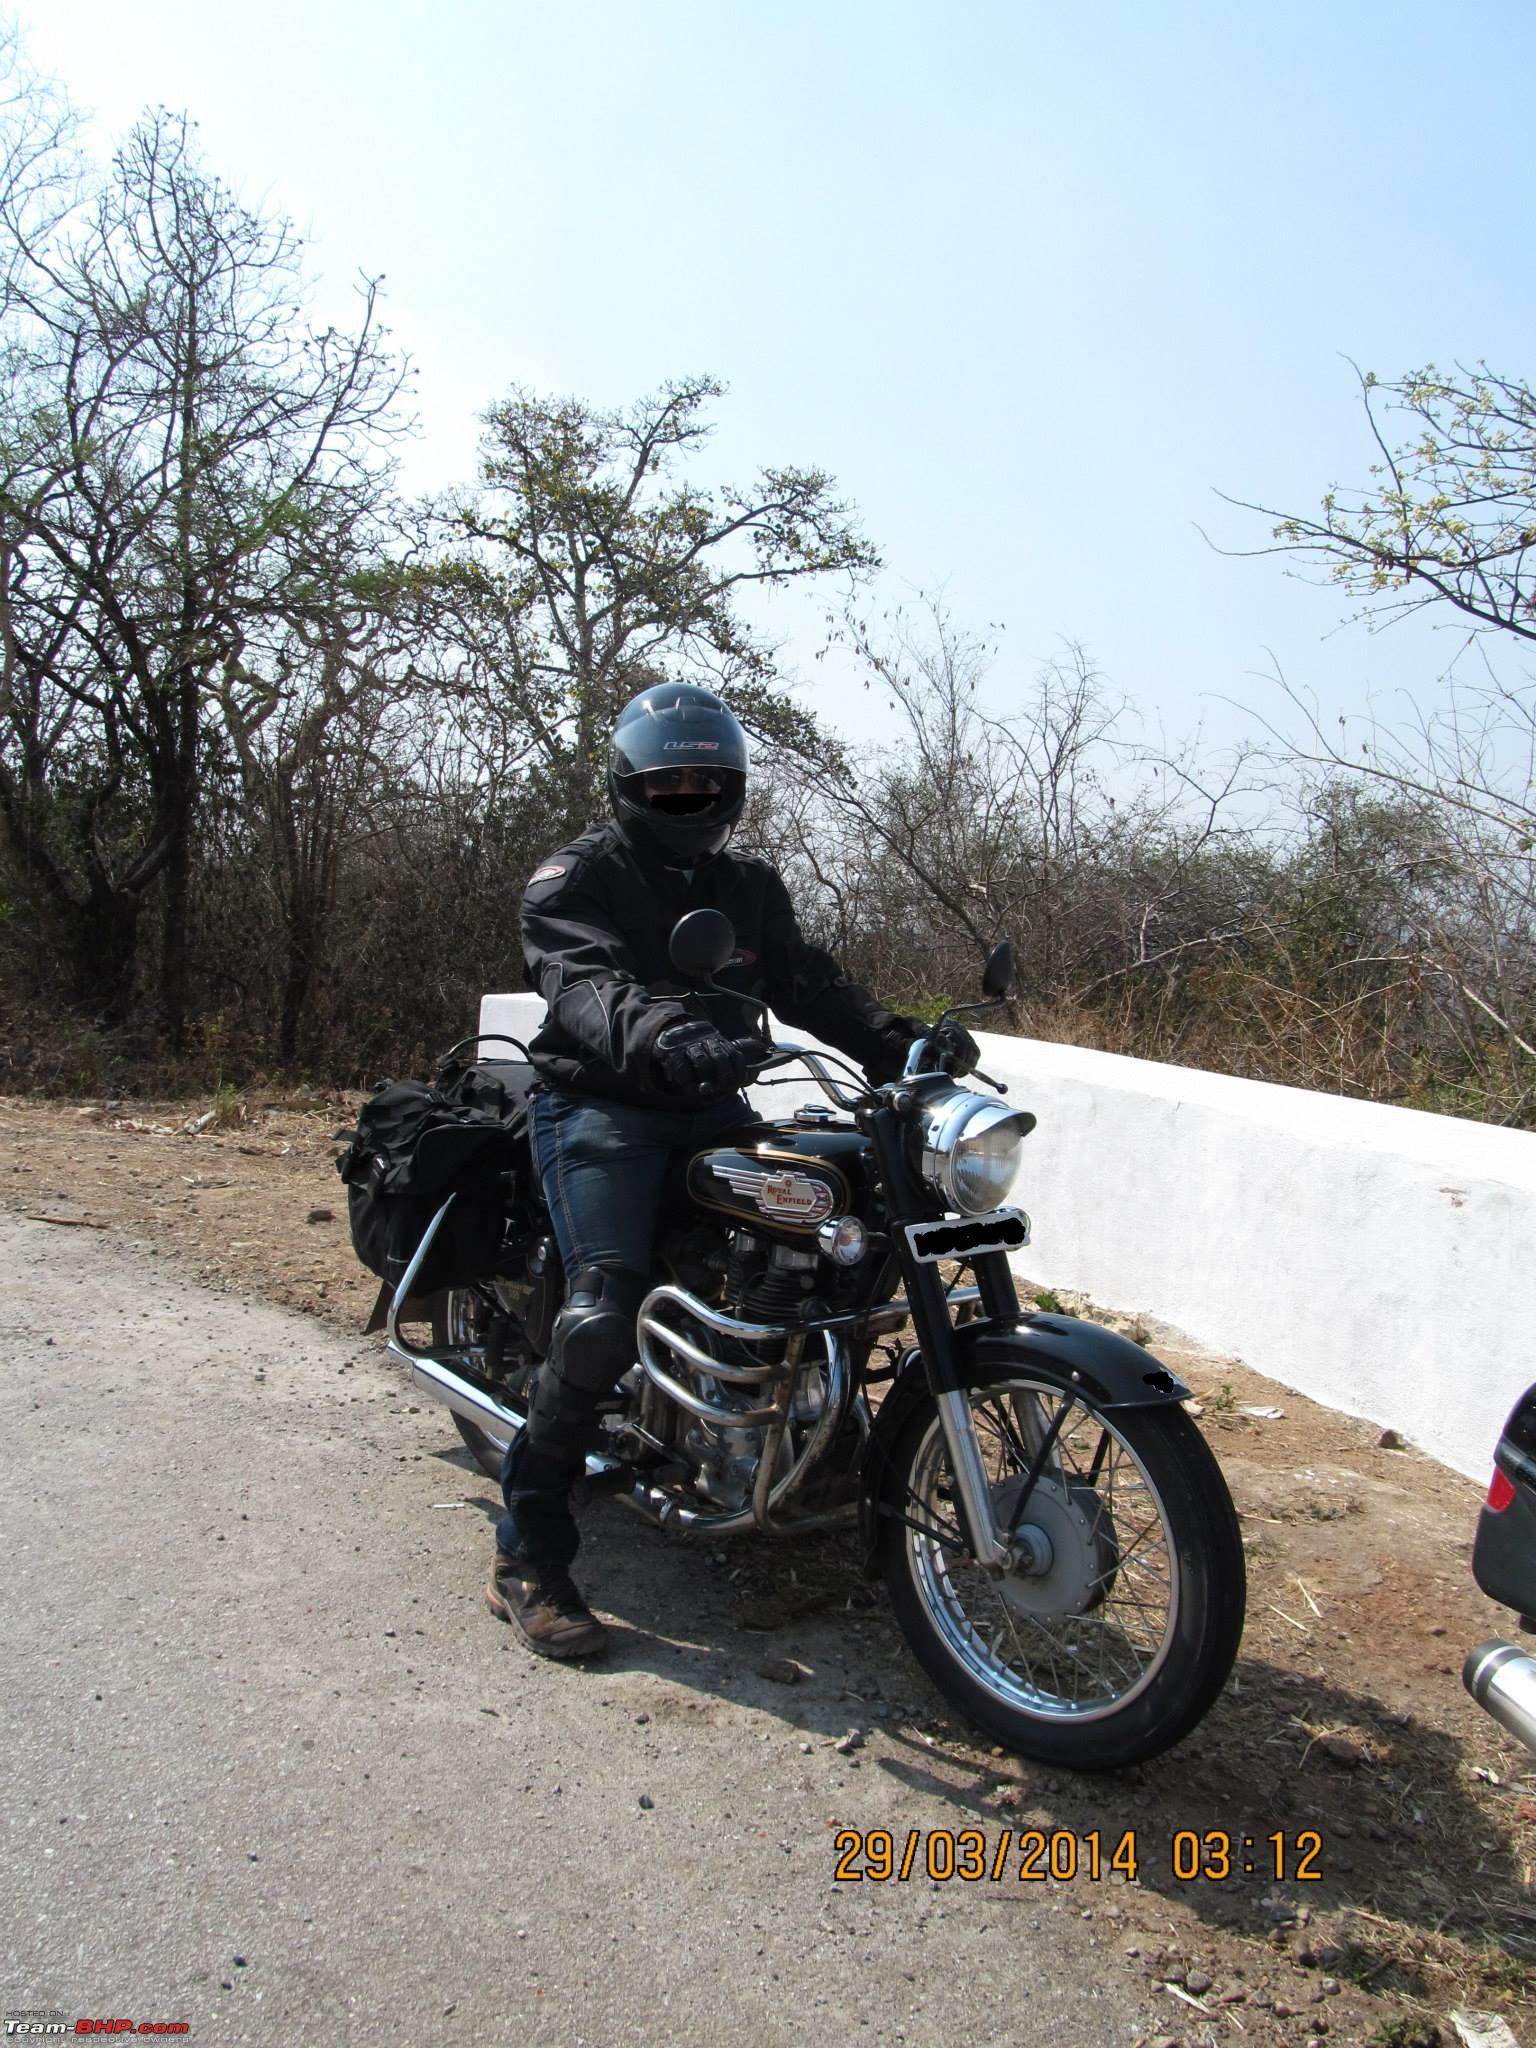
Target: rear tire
(1116, 1650)
(458, 1316)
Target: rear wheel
(1116, 1627)
(461, 1319)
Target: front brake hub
(1066, 1554)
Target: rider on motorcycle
(630, 1072)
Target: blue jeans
(603, 1166)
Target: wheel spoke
(1111, 1579)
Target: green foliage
(1449, 513)
(608, 568)
(1402, 2031)
(927, 1009)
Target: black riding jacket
(596, 920)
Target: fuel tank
(784, 1179)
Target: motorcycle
(1500, 1676)
(1055, 1535)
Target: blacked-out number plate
(1004, 1230)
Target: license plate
(1003, 1230)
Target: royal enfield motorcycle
(834, 1336)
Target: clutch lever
(757, 1053)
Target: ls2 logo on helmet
(691, 747)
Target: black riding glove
(958, 1051)
(696, 1059)
(895, 1042)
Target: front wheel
(1115, 1628)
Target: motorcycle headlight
(971, 1148)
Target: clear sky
(1032, 280)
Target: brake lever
(914, 1070)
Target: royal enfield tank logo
(786, 1196)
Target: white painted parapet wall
(1380, 1260)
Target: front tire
(1119, 1639)
(459, 1317)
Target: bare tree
(309, 715)
(182, 462)
(39, 163)
(1465, 772)
(1447, 521)
(1046, 823)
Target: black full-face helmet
(677, 769)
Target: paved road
(273, 1771)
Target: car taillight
(1500, 1492)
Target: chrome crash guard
(449, 1376)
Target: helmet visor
(682, 792)
(682, 782)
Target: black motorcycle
(1055, 1535)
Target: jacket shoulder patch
(550, 872)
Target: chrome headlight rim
(947, 1114)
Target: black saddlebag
(413, 1147)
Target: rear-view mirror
(701, 943)
(1001, 970)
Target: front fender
(1064, 1351)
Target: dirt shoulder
(1346, 1716)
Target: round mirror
(1001, 970)
(701, 943)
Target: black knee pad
(593, 1344)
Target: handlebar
(759, 1057)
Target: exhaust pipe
(1502, 1679)
(442, 1383)
(430, 1376)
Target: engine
(755, 1281)
(768, 1283)
(749, 1252)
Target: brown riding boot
(542, 1604)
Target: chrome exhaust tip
(432, 1377)
(1502, 1679)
